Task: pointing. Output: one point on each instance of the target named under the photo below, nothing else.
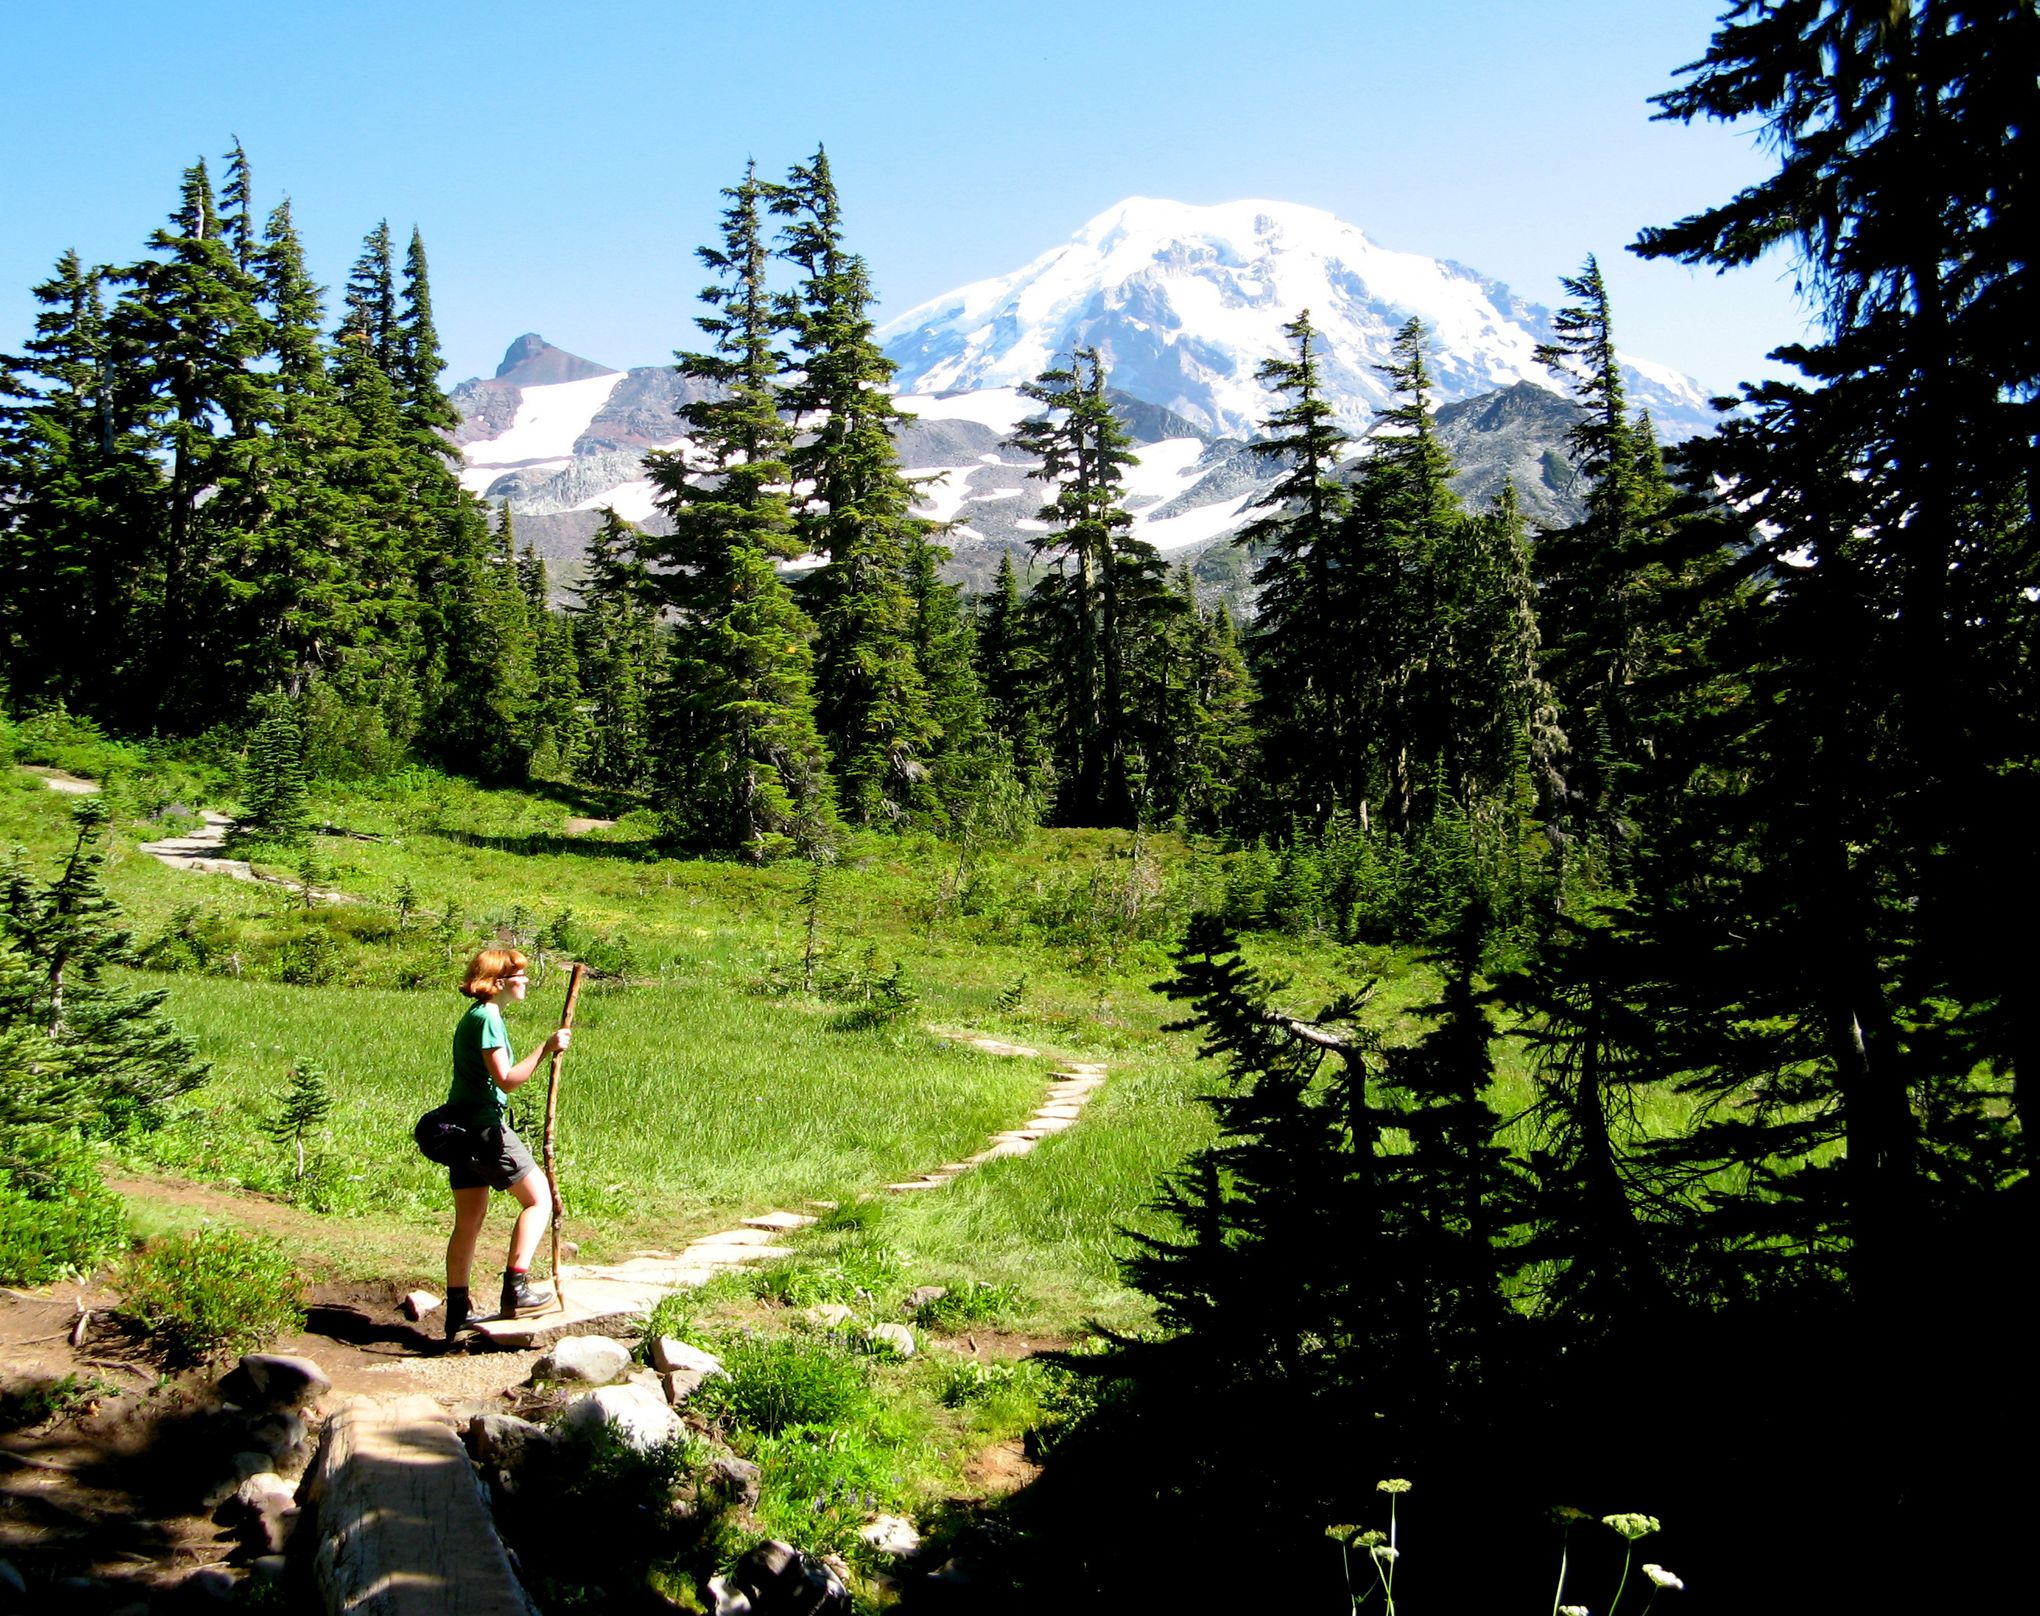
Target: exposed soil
(107, 1492)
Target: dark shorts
(500, 1160)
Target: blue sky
(564, 160)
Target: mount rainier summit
(1184, 303)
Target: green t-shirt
(474, 1091)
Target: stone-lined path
(601, 1296)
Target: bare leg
(470, 1212)
(534, 1197)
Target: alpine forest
(1699, 1177)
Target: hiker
(484, 1073)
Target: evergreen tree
(617, 654)
(125, 1061)
(307, 1103)
(1300, 643)
(742, 759)
(371, 317)
(81, 500)
(1095, 607)
(1009, 673)
(873, 702)
(427, 411)
(273, 799)
(1602, 584)
(190, 317)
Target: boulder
(829, 1316)
(891, 1534)
(776, 1578)
(501, 1441)
(672, 1357)
(594, 1360)
(210, 1585)
(281, 1435)
(896, 1339)
(739, 1479)
(639, 1417)
(264, 1510)
(684, 1367)
(281, 1380)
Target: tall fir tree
(1091, 612)
(743, 763)
(190, 317)
(618, 655)
(81, 503)
(1298, 647)
(873, 700)
(1602, 588)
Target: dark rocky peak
(1520, 406)
(531, 361)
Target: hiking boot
(521, 1296)
(456, 1312)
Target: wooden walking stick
(552, 1116)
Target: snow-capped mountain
(1185, 303)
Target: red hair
(485, 972)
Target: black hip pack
(441, 1137)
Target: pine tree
(190, 316)
(273, 800)
(126, 1061)
(1300, 642)
(1602, 584)
(617, 654)
(743, 761)
(81, 503)
(1009, 673)
(371, 303)
(1091, 612)
(872, 690)
(427, 411)
(307, 1103)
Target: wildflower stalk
(1558, 1593)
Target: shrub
(820, 1487)
(975, 1303)
(211, 1294)
(862, 1269)
(776, 1382)
(57, 1219)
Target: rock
(642, 1419)
(896, 1339)
(922, 1296)
(213, 1583)
(241, 1467)
(891, 1534)
(776, 1577)
(740, 1479)
(829, 1315)
(500, 1441)
(685, 1367)
(281, 1435)
(592, 1359)
(420, 1303)
(281, 1380)
(265, 1509)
